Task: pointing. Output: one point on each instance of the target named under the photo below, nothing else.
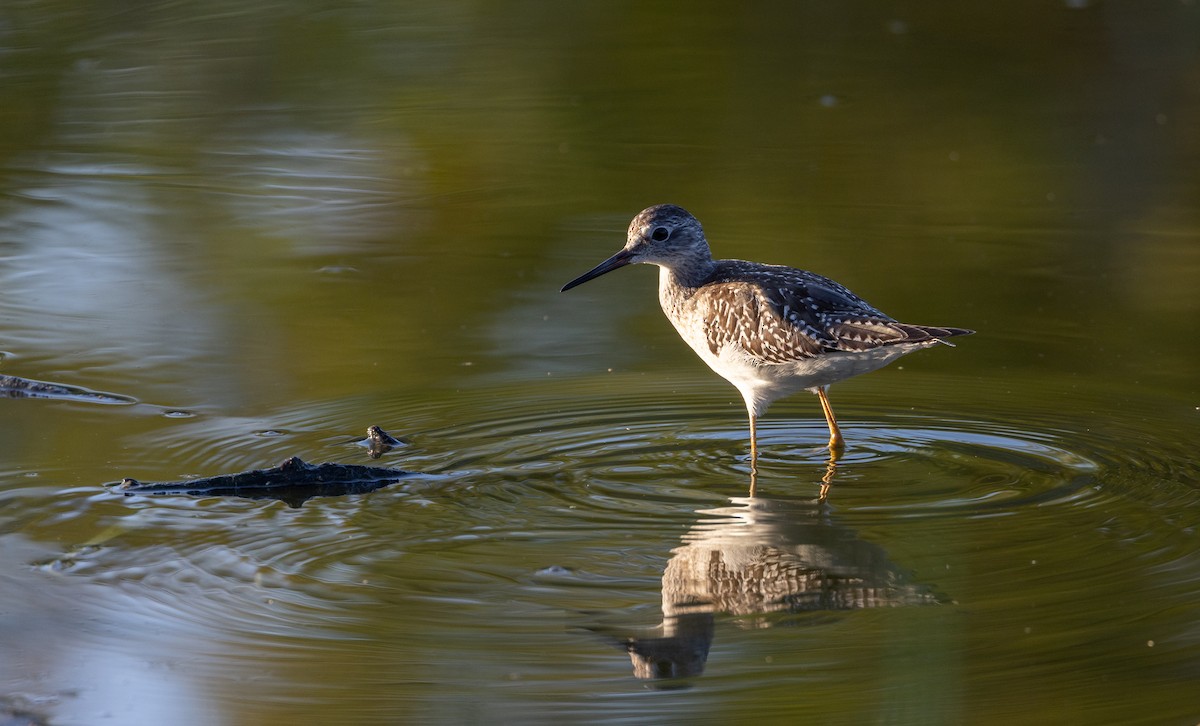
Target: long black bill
(622, 258)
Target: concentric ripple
(534, 506)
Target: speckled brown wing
(741, 314)
(780, 314)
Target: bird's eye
(660, 234)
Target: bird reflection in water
(757, 557)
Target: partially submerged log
(294, 482)
(15, 387)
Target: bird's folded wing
(788, 315)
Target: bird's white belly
(762, 383)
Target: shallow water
(262, 230)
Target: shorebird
(770, 330)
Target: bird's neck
(687, 275)
(677, 284)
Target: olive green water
(274, 224)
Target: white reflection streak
(323, 192)
(89, 274)
(75, 654)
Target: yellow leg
(753, 454)
(836, 442)
(753, 443)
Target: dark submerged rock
(379, 442)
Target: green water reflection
(274, 224)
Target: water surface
(262, 228)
